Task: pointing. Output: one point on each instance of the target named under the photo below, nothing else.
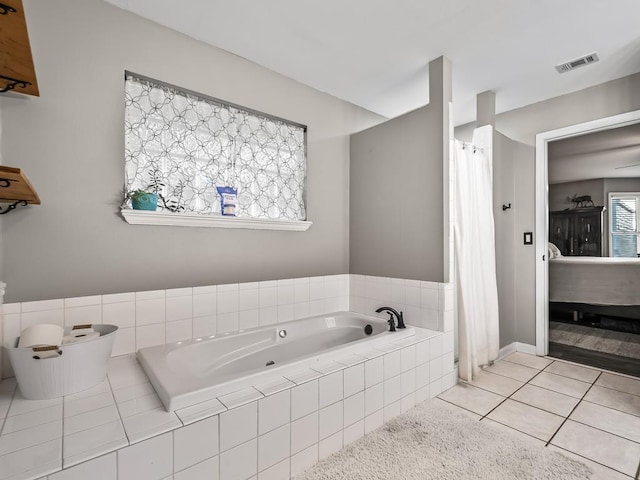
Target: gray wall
(396, 190)
(558, 193)
(522, 125)
(514, 260)
(70, 144)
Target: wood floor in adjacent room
(597, 347)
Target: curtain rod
(469, 144)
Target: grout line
(573, 410)
(126, 435)
(13, 395)
(456, 405)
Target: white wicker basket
(67, 369)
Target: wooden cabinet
(577, 232)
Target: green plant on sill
(154, 186)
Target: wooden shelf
(16, 61)
(15, 187)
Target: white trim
(506, 350)
(525, 348)
(516, 347)
(146, 217)
(542, 211)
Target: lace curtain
(185, 146)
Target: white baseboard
(507, 350)
(525, 348)
(516, 347)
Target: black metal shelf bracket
(13, 206)
(13, 83)
(4, 9)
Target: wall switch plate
(528, 238)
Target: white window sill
(145, 217)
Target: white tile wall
(163, 316)
(263, 437)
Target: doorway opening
(582, 314)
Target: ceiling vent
(577, 63)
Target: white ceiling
(374, 53)
(613, 153)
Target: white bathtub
(190, 372)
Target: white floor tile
(602, 447)
(513, 370)
(600, 472)
(496, 383)
(472, 398)
(528, 360)
(456, 408)
(560, 384)
(576, 372)
(527, 419)
(544, 399)
(524, 437)
(620, 383)
(608, 397)
(609, 420)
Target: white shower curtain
(475, 261)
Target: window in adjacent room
(624, 224)
(189, 144)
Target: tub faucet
(392, 313)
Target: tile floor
(582, 412)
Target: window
(624, 224)
(189, 144)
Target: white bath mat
(434, 442)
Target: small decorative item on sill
(228, 201)
(141, 200)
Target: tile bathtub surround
(119, 429)
(163, 316)
(582, 412)
(156, 317)
(424, 304)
